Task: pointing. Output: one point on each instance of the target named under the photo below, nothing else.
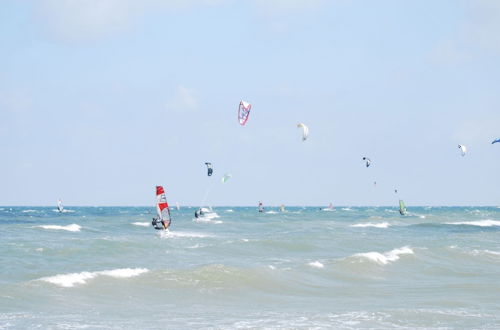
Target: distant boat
(329, 208)
(163, 220)
(402, 207)
(205, 213)
(60, 207)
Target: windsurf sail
(495, 141)
(402, 207)
(261, 207)
(244, 112)
(305, 131)
(163, 220)
(463, 149)
(60, 207)
(210, 169)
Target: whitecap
(70, 280)
(73, 227)
(272, 267)
(480, 223)
(316, 264)
(29, 211)
(207, 220)
(271, 212)
(346, 209)
(229, 211)
(369, 224)
(63, 211)
(172, 234)
(386, 257)
(480, 252)
(142, 224)
(39, 249)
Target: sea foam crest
(70, 280)
(72, 227)
(385, 258)
(142, 224)
(369, 224)
(316, 264)
(480, 223)
(172, 234)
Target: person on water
(165, 224)
(197, 214)
(261, 207)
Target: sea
(304, 268)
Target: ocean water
(351, 268)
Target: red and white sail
(162, 205)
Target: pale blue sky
(102, 100)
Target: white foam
(207, 220)
(73, 227)
(64, 211)
(271, 212)
(39, 249)
(70, 280)
(142, 224)
(480, 223)
(479, 252)
(369, 224)
(124, 272)
(229, 211)
(172, 234)
(386, 257)
(29, 211)
(346, 209)
(272, 267)
(316, 264)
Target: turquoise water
(351, 268)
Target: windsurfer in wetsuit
(261, 207)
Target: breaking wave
(70, 280)
(383, 258)
(73, 227)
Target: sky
(102, 100)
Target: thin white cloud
(88, 20)
(184, 100)
(84, 20)
(280, 6)
(478, 33)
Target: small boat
(205, 213)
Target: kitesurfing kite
(163, 220)
(305, 131)
(226, 177)
(368, 161)
(244, 112)
(210, 169)
(495, 141)
(463, 149)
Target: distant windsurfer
(261, 207)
